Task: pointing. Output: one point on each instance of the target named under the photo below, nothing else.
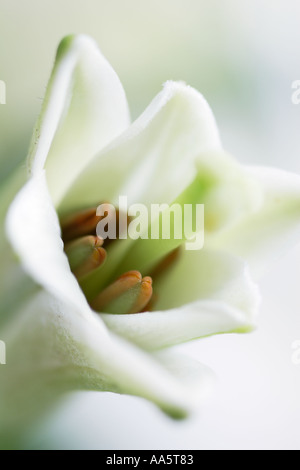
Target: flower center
(96, 263)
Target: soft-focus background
(243, 55)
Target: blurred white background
(243, 56)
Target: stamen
(144, 297)
(80, 224)
(130, 293)
(85, 254)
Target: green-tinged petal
(153, 160)
(205, 293)
(268, 233)
(84, 109)
(226, 192)
(230, 191)
(51, 351)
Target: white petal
(33, 230)
(263, 236)
(204, 294)
(153, 160)
(84, 108)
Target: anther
(85, 254)
(130, 293)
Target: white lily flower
(85, 151)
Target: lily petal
(33, 230)
(57, 343)
(51, 352)
(266, 234)
(84, 109)
(205, 293)
(164, 141)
